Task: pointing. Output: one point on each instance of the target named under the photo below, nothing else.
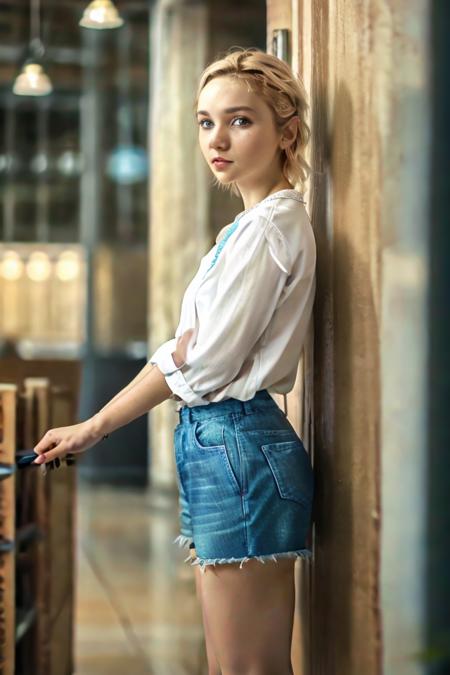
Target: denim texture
(245, 480)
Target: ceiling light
(32, 80)
(101, 14)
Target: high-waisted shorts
(245, 482)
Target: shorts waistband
(230, 405)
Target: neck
(254, 195)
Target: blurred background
(74, 223)
(106, 208)
(76, 170)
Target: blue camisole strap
(222, 243)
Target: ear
(289, 133)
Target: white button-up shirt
(249, 305)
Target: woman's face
(237, 125)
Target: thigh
(250, 613)
(213, 666)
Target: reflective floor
(136, 609)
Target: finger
(45, 443)
(51, 446)
(45, 457)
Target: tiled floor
(137, 612)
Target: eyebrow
(228, 110)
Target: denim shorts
(245, 482)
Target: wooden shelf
(37, 523)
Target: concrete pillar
(178, 191)
(185, 211)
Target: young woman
(245, 479)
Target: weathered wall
(346, 110)
(364, 64)
(335, 45)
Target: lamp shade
(101, 14)
(32, 81)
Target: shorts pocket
(208, 437)
(291, 468)
(208, 434)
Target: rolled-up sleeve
(252, 277)
(175, 379)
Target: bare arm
(179, 356)
(147, 390)
(141, 374)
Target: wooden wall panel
(8, 399)
(345, 210)
(42, 571)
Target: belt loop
(186, 411)
(246, 407)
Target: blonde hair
(281, 89)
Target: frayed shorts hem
(185, 542)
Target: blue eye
(247, 121)
(201, 124)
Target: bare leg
(249, 612)
(213, 665)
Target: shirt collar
(286, 193)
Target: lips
(221, 159)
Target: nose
(219, 137)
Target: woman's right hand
(179, 355)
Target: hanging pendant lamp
(127, 163)
(101, 14)
(33, 80)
